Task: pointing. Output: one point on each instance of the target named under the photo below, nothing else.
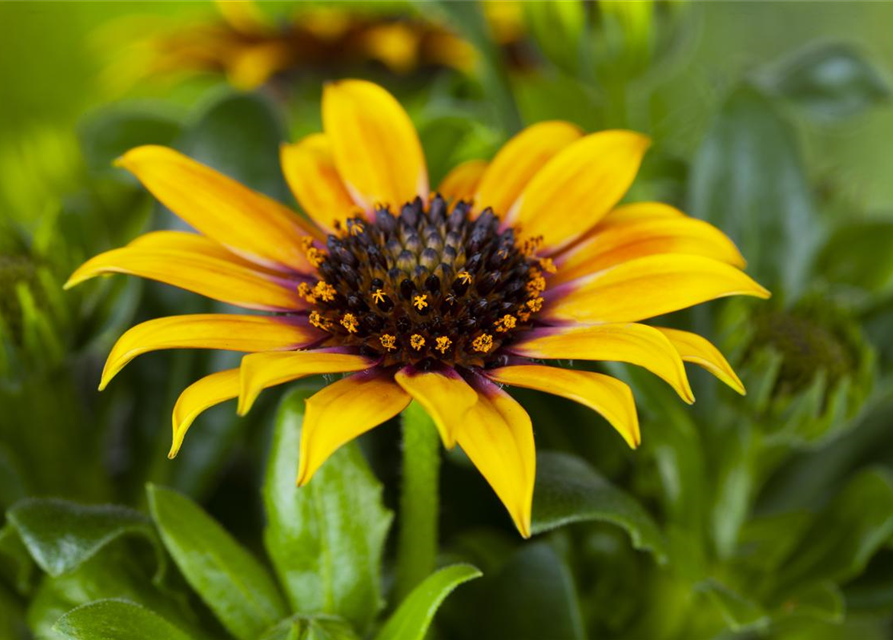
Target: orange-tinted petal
(497, 436)
(462, 181)
(196, 243)
(310, 170)
(606, 395)
(700, 351)
(375, 145)
(212, 277)
(263, 370)
(519, 161)
(244, 220)
(198, 397)
(636, 344)
(208, 331)
(444, 395)
(639, 211)
(579, 186)
(622, 242)
(648, 287)
(344, 410)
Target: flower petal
(497, 436)
(263, 370)
(625, 241)
(221, 208)
(376, 147)
(518, 162)
(208, 331)
(344, 410)
(636, 344)
(603, 394)
(700, 351)
(462, 181)
(638, 211)
(196, 243)
(212, 277)
(647, 287)
(310, 171)
(579, 186)
(444, 395)
(198, 397)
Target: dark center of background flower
(427, 285)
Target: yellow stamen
(536, 285)
(443, 343)
(416, 341)
(420, 302)
(355, 227)
(535, 304)
(378, 296)
(464, 277)
(314, 256)
(388, 341)
(548, 265)
(319, 322)
(505, 323)
(483, 343)
(306, 292)
(349, 322)
(325, 291)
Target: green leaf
(16, 564)
(532, 598)
(414, 616)
(107, 134)
(62, 535)
(116, 620)
(857, 254)
(239, 135)
(569, 490)
(326, 539)
(236, 587)
(844, 536)
(739, 612)
(748, 180)
(12, 483)
(820, 601)
(301, 627)
(830, 82)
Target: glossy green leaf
(738, 611)
(414, 616)
(830, 82)
(237, 588)
(116, 620)
(325, 539)
(844, 536)
(569, 490)
(61, 535)
(748, 180)
(239, 135)
(109, 133)
(321, 627)
(532, 598)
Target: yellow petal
(639, 211)
(196, 243)
(700, 351)
(198, 397)
(208, 276)
(519, 161)
(376, 148)
(263, 370)
(444, 395)
(622, 242)
(462, 181)
(580, 185)
(246, 221)
(497, 436)
(249, 67)
(310, 170)
(208, 331)
(636, 344)
(648, 287)
(344, 410)
(606, 395)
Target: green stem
(419, 500)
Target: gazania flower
(442, 296)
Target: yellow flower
(551, 192)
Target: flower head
(439, 296)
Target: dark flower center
(427, 285)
